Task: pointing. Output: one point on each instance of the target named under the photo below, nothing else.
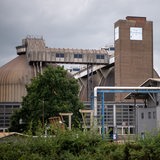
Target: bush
(78, 145)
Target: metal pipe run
(107, 89)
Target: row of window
(5, 114)
(61, 55)
(149, 115)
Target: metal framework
(102, 90)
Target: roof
(151, 82)
(13, 77)
(8, 134)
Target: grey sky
(71, 23)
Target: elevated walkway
(36, 51)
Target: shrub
(78, 145)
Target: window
(136, 33)
(60, 55)
(142, 115)
(125, 130)
(131, 130)
(149, 115)
(154, 115)
(77, 55)
(76, 69)
(116, 33)
(100, 56)
(111, 49)
(16, 106)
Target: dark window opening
(149, 115)
(60, 55)
(154, 115)
(77, 55)
(142, 115)
(100, 56)
(76, 69)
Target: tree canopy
(48, 94)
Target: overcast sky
(86, 24)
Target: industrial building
(128, 63)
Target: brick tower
(133, 52)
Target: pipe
(114, 119)
(119, 89)
(102, 112)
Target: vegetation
(78, 145)
(48, 94)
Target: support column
(102, 113)
(114, 123)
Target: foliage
(48, 94)
(78, 145)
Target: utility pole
(43, 115)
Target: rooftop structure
(36, 51)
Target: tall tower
(133, 52)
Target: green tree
(48, 94)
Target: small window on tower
(142, 115)
(154, 115)
(149, 115)
(136, 33)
